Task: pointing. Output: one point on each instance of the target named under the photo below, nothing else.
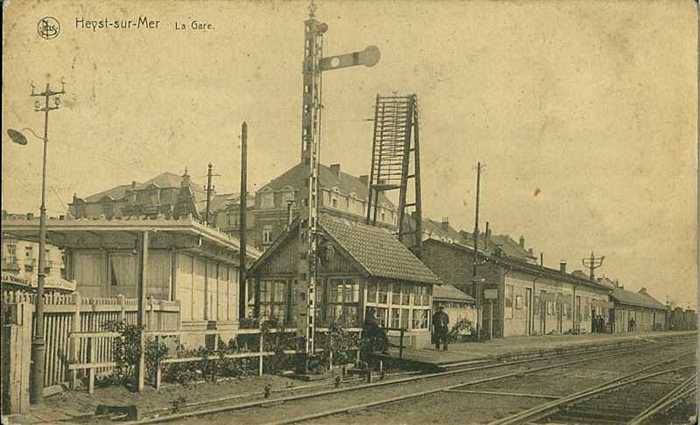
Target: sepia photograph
(349, 212)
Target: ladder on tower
(395, 161)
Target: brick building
(531, 299)
(340, 194)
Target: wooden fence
(66, 314)
(92, 365)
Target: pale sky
(592, 103)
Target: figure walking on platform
(441, 322)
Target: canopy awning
(184, 233)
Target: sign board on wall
(491, 294)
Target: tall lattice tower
(395, 161)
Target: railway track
(618, 401)
(377, 393)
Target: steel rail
(364, 406)
(680, 392)
(612, 351)
(546, 409)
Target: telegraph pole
(242, 223)
(476, 283)
(313, 66)
(38, 348)
(592, 263)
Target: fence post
(150, 313)
(74, 342)
(122, 308)
(91, 358)
(158, 375)
(260, 372)
(330, 350)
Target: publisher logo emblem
(48, 28)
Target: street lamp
(38, 349)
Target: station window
(371, 292)
(395, 318)
(343, 301)
(273, 300)
(396, 293)
(382, 297)
(420, 319)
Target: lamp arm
(33, 133)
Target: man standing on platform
(440, 328)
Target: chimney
(365, 180)
(541, 259)
(335, 168)
(522, 242)
(643, 291)
(562, 266)
(185, 179)
(133, 184)
(445, 223)
(488, 232)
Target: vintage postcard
(349, 212)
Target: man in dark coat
(441, 323)
(375, 333)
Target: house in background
(362, 267)
(227, 214)
(163, 194)
(341, 195)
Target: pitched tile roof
(434, 229)
(624, 296)
(450, 292)
(346, 183)
(377, 251)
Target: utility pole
(38, 348)
(242, 223)
(313, 66)
(476, 283)
(210, 188)
(592, 263)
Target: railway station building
(637, 311)
(191, 275)
(362, 268)
(529, 299)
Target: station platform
(518, 346)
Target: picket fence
(66, 314)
